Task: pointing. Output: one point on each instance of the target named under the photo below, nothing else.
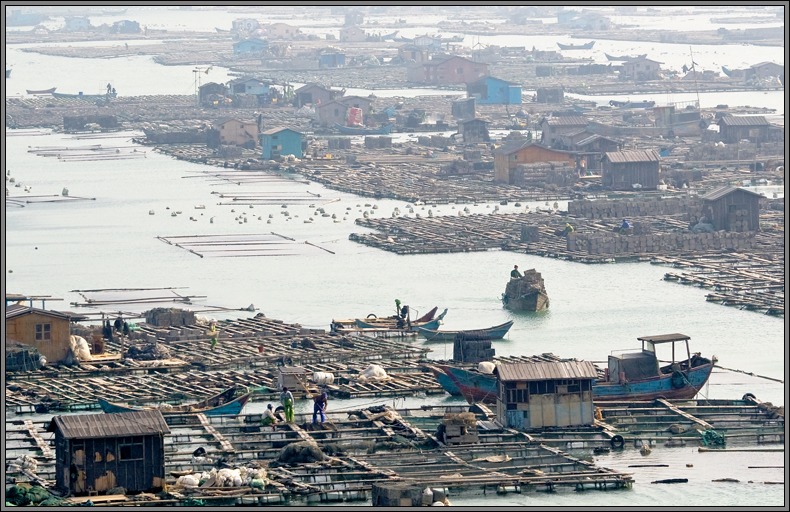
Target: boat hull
(615, 58)
(89, 97)
(222, 404)
(585, 46)
(41, 91)
(351, 130)
(479, 387)
(632, 104)
(533, 301)
(432, 325)
(491, 333)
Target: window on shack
(130, 448)
(43, 332)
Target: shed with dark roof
(732, 209)
(627, 170)
(98, 452)
(733, 129)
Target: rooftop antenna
(694, 70)
(197, 71)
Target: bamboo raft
(748, 282)
(249, 352)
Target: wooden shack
(474, 131)
(545, 394)
(629, 170)
(292, 377)
(463, 108)
(554, 126)
(733, 129)
(510, 160)
(98, 452)
(48, 331)
(732, 209)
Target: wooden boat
(585, 46)
(42, 91)
(81, 96)
(361, 130)
(527, 293)
(632, 104)
(394, 322)
(629, 375)
(389, 325)
(222, 404)
(496, 332)
(615, 58)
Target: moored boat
(630, 375)
(41, 91)
(632, 104)
(585, 46)
(222, 404)
(362, 130)
(82, 96)
(496, 332)
(616, 58)
(395, 323)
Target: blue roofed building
(278, 142)
(253, 46)
(494, 91)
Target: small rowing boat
(41, 91)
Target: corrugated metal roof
(639, 155)
(725, 190)
(567, 121)
(15, 310)
(664, 338)
(547, 370)
(744, 121)
(591, 138)
(511, 147)
(93, 426)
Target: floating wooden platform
(379, 444)
(248, 353)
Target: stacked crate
(460, 428)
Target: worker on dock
(268, 416)
(515, 273)
(319, 407)
(287, 399)
(625, 226)
(568, 229)
(213, 333)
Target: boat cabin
(637, 366)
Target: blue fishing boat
(223, 404)
(630, 375)
(496, 332)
